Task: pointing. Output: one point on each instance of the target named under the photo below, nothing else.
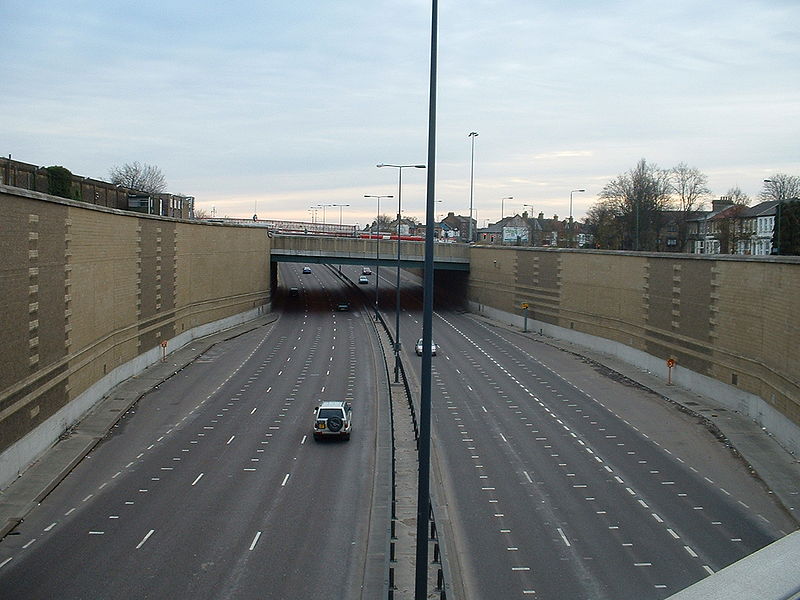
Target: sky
(271, 108)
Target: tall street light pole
(340, 223)
(397, 292)
(377, 248)
(571, 227)
(323, 206)
(472, 136)
(340, 210)
(502, 206)
(777, 227)
(424, 438)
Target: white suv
(333, 419)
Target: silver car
(419, 347)
(334, 419)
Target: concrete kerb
(42, 477)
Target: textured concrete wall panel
(86, 290)
(733, 319)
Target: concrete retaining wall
(730, 323)
(88, 296)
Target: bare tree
(738, 196)
(781, 187)
(201, 213)
(384, 223)
(141, 177)
(639, 198)
(605, 225)
(689, 187)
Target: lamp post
(323, 206)
(397, 291)
(777, 226)
(502, 207)
(472, 136)
(340, 223)
(340, 210)
(377, 248)
(571, 228)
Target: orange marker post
(670, 364)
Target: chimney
(722, 203)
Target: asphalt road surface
(562, 481)
(558, 478)
(212, 485)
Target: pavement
(38, 480)
(766, 458)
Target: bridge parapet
(310, 248)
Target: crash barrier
(441, 580)
(441, 586)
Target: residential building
(457, 227)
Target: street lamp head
(472, 134)
(400, 166)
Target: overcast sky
(274, 106)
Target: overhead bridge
(363, 251)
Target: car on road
(294, 292)
(343, 305)
(306, 270)
(363, 279)
(333, 419)
(366, 271)
(419, 347)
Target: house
(458, 228)
(760, 223)
(730, 228)
(518, 230)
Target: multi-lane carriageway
(553, 478)
(559, 480)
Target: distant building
(730, 228)
(94, 191)
(458, 227)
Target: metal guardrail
(437, 562)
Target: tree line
(635, 206)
